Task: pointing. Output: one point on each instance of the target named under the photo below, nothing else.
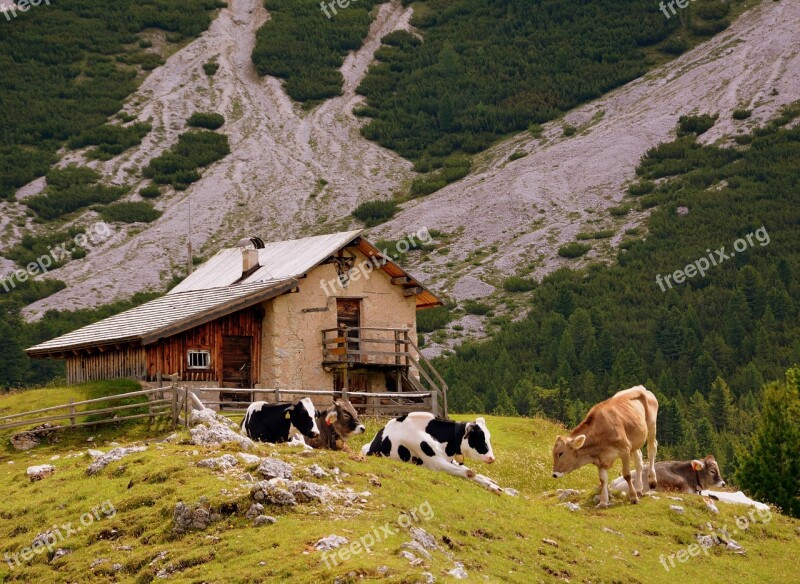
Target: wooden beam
(401, 280)
(412, 291)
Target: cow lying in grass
(279, 422)
(434, 443)
(691, 476)
(336, 423)
(615, 428)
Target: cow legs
(604, 487)
(652, 446)
(637, 459)
(626, 473)
(438, 463)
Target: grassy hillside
(499, 537)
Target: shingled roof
(165, 316)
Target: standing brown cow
(615, 428)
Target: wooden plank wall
(111, 364)
(169, 355)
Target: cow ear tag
(288, 415)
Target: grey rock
(317, 471)
(273, 468)
(39, 472)
(423, 538)
(676, 509)
(211, 429)
(254, 511)
(31, 438)
(412, 559)
(264, 520)
(416, 547)
(306, 492)
(113, 455)
(458, 572)
(60, 553)
(249, 458)
(331, 542)
(271, 492)
(194, 518)
(564, 494)
(224, 462)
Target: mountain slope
(527, 208)
(293, 172)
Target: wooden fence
(172, 402)
(369, 403)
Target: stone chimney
(249, 261)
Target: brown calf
(690, 476)
(615, 428)
(336, 423)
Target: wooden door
(357, 381)
(348, 314)
(236, 363)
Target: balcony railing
(366, 346)
(385, 347)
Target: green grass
(499, 537)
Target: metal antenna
(191, 256)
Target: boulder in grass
(37, 473)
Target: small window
(199, 359)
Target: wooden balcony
(391, 349)
(366, 346)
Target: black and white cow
(434, 443)
(337, 423)
(278, 422)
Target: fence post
(72, 411)
(174, 403)
(187, 408)
(277, 395)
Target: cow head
(302, 416)
(566, 457)
(344, 419)
(708, 472)
(475, 443)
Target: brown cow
(690, 476)
(336, 423)
(615, 428)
